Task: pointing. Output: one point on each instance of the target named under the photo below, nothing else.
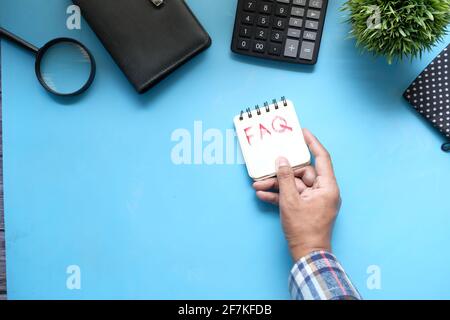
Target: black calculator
(284, 30)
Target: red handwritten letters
(279, 125)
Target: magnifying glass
(64, 66)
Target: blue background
(91, 182)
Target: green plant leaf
(407, 28)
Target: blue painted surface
(91, 182)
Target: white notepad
(267, 133)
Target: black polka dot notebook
(429, 95)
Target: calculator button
(314, 25)
(282, 11)
(283, 1)
(291, 48)
(294, 33)
(279, 23)
(245, 32)
(310, 35)
(277, 36)
(243, 44)
(263, 21)
(296, 22)
(307, 50)
(275, 49)
(259, 46)
(316, 4)
(299, 2)
(248, 19)
(261, 34)
(265, 8)
(299, 12)
(250, 5)
(313, 14)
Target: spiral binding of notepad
(266, 107)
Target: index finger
(324, 167)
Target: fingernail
(282, 162)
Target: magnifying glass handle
(19, 41)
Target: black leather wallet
(148, 39)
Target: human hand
(309, 200)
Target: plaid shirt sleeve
(319, 276)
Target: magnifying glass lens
(65, 67)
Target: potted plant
(397, 29)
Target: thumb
(286, 180)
